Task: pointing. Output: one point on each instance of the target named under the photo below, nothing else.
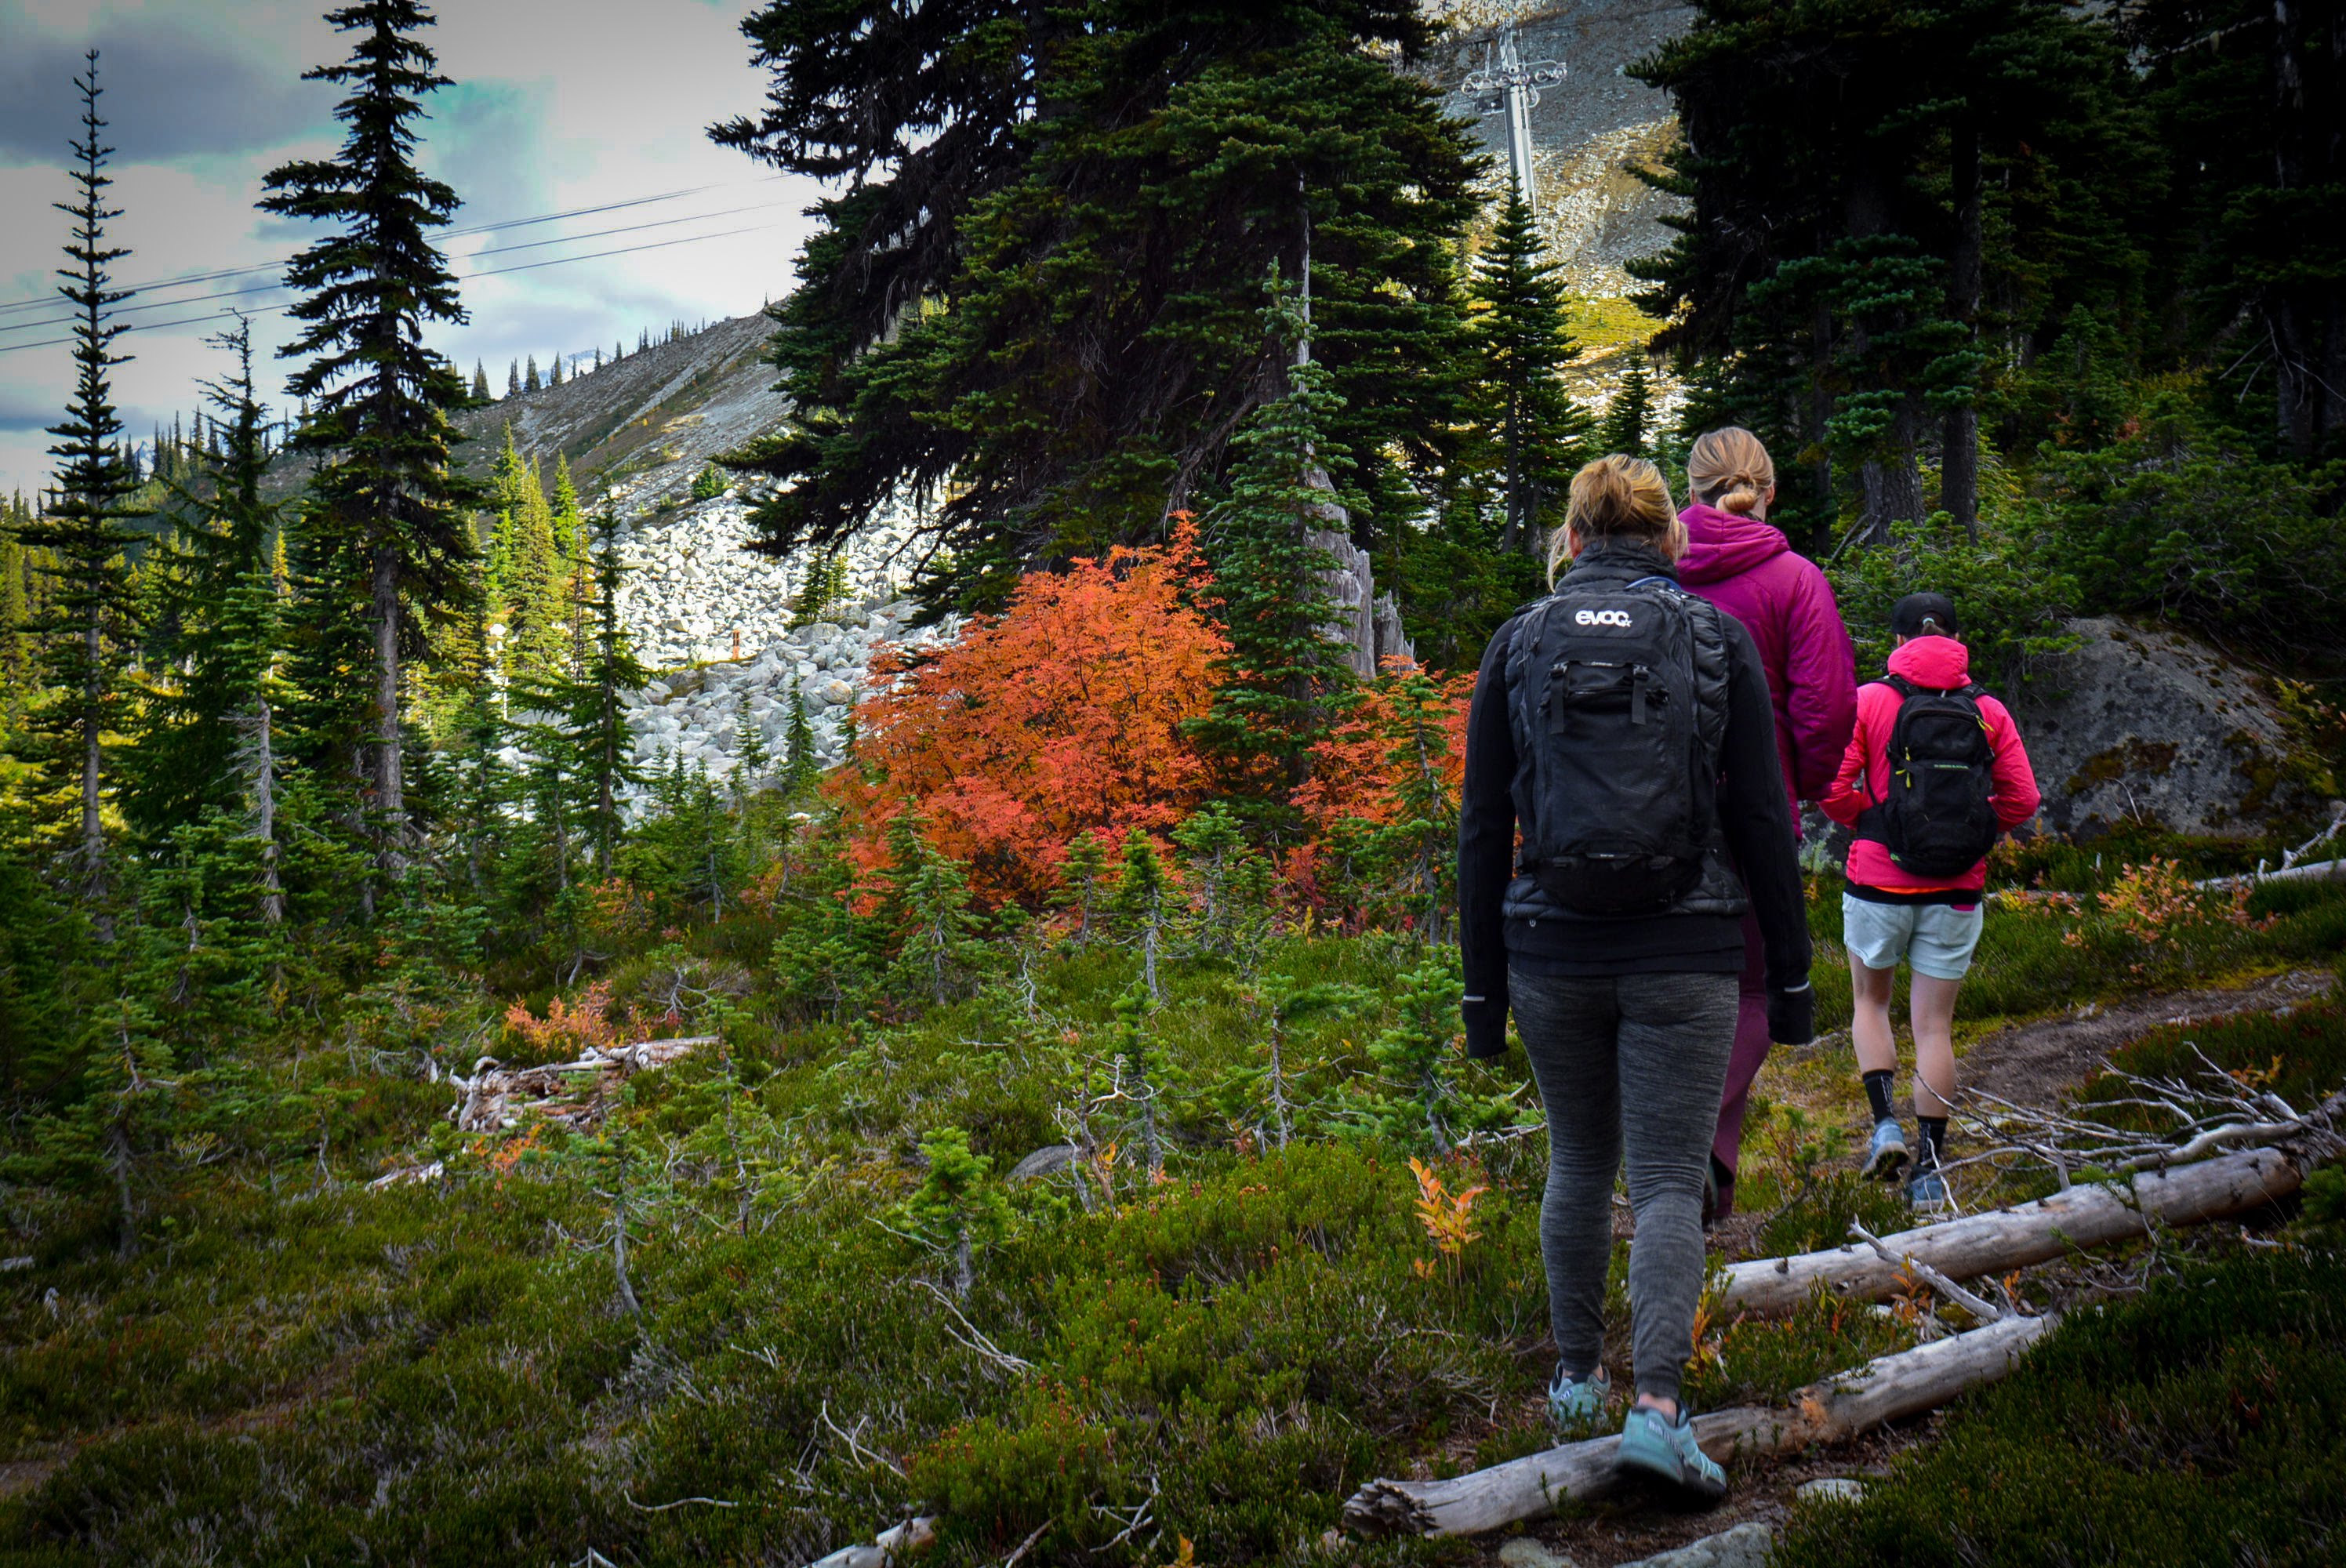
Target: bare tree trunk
(93, 825)
(1821, 471)
(118, 1156)
(390, 779)
(264, 824)
(1959, 441)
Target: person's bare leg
(1932, 1006)
(1868, 1023)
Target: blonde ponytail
(1729, 469)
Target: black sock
(1931, 1141)
(1877, 1094)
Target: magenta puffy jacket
(1747, 568)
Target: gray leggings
(1634, 1060)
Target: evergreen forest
(433, 1134)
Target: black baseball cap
(1908, 615)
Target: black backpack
(1937, 815)
(1618, 695)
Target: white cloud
(557, 107)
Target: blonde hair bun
(1730, 470)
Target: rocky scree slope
(638, 432)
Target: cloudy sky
(558, 106)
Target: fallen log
(1843, 1406)
(889, 1546)
(2088, 1215)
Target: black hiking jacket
(1496, 928)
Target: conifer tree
(84, 633)
(956, 1210)
(379, 423)
(554, 380)
(480, 382)
(1272, 704)
(1541, 435)
(209, 721)
(568, 523)
(800, 767)
(599, 721)
(1140, 904)
(1629, 418)
(1083, 884)
(529, 382)
(513, 378)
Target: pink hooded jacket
(1746, 568)
(1944, 664)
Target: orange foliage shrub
(1388, 755)
(1061, 716)
(565, 1028)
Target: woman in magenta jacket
(1743, 564)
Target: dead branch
(1985, 1310)
(972, 1338)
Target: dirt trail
(2033, 1063)
(2028, 1062)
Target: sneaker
(1655, 1449)
(1887, 1155)
(1576, 1407)
(1926, 1191)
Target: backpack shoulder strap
(1900, 685)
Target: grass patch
(2203, 1422)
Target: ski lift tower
(1507, 84)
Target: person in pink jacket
(1891, 911)
(1743, 564)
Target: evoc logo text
(1601, 618)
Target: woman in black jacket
(1625, 726)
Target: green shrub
(2204, 1421)
(1819, 1217)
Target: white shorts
(1935, 940)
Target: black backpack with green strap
(1937, 813)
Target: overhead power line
(488, 272)
(494, 250)
(36, 301)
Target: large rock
(2144, 725)
(1744, 1546)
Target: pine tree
(1140, 904)
(956, 1210)
(379, 421)
(1629, 418)
(536, 586)
(1272, 703)
(599, 721)
(1083, 884)
(513, 378)
(84, 633)
(750, 757)
(1074, 414)
(800, 766)
(480, 382)
(555, 379)
(529, 382)
(205, 740)
(927, 905)
(568, 523)
(1541, 436)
